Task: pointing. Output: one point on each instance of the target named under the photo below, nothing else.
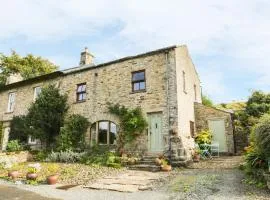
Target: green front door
(155, 143)
(217, 126)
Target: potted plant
(158, 161)
(13, 174)
(165, 166)
(53, 169)
(32, 171)
(196, 155)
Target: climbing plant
(132, 123)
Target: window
(138, 81)
(104, 133)
(32, 140)
(37, 91)
(195, 92)
(81, 92)
(192, 129)
(184, 82)
(11, 101)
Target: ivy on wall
(132, 123)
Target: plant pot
(267, 178)
(51, 180)
(166, 168)
(196, 158)
(158, 161)
(13, 174)
(31, 176)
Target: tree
(46, 115)
(19, 129)
(207, 101)
(72, 135)
(28, 66)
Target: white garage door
(218, 130)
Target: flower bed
(68, 173)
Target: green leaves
(28, 66)
(132, 122)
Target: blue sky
(229, 41)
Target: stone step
(148, 162)
(145, 167)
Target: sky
(228, 40)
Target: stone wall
(205, 113)
(9, 159)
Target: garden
(61, 153)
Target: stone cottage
(164, 83)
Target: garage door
(218, 130)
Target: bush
(101, 156)
(13, 145)
(72, 135)
(65, 156)
(19, 129)
(204, 137)
(262, 136)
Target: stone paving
(130, 181)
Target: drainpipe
(168, 106)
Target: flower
(34, 168)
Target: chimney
(13, 78)
(86, 57)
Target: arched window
(104, 133)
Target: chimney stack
(86, 57)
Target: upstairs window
(81, 92)
(11, 102)
(37, 91)
(138, 81)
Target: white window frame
(32, 140)
(36, 94)
(11, 101)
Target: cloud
(237, 30)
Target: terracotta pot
(166, 168)
(31, 176)
(196, 158)
(13, 174)
(158, 161)
(51, 180)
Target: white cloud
(236, 29)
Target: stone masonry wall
(205, 113)
(105, 84)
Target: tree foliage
(19, 129)
(207, 101)
(262, 135)
(72, 135)
(132, 123)
(28, 66)
(46, 115)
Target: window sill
(139, 91)
(9, 112)
(79, 101)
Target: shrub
(261, 133)
(19, 129)
(72, 135)
(65, 156)
(204, 137)
(13, 145)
